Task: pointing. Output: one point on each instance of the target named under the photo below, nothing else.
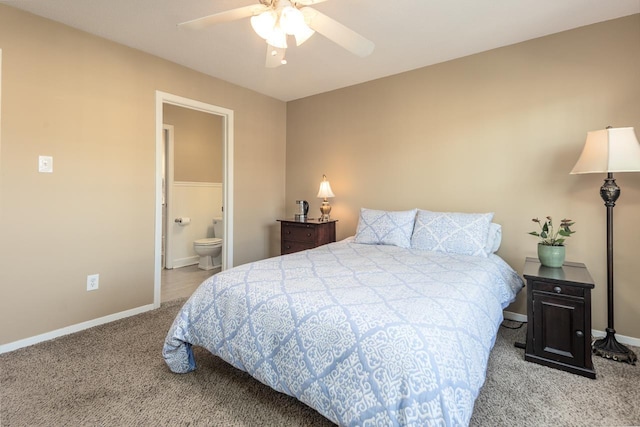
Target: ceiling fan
(274, 20)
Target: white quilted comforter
(364, 334)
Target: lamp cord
(519, 324)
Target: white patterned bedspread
(364, 334)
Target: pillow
(452, 232)
(494, 238)
(385, 227)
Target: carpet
(114, 375)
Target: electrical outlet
(45, 164)
(93, 281)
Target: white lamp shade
(274, 26)
(293, 23)
(263, 24)
(325, 190)
(291, 19)
(278, 38)
(609, 150)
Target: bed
(390, 327)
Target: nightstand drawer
(301, 235)
(298, 233)
(557, 288)
(289, 247)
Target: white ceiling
(408, 34)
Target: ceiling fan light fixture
(264, 23)
(278, 38)
(291, 19)
(275, 20)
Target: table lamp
(324, 193)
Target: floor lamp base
(610, 348)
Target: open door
(227, 199)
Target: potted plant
(551, 251)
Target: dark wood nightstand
(296, 236)
(559, 316)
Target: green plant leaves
(550, 237)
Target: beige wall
(90, 104)
(497, 131)
(197, 144)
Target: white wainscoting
(201, 202)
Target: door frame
(168, 194)
(227, 179)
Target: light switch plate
(45, 164)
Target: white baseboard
(594, 332)
(509, 315)
(183, 262)
(621, 338)
(5, 348)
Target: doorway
(226, 115)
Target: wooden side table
(296, 236)
(559, 316)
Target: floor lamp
(610, 150)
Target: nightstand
(559, 316)
(296, 236)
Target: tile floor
(181, 282)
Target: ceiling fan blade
(226, 16)
(275, 56)
(338, 33)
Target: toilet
(210, 249)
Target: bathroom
(192, 190)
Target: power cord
(519, 324)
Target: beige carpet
(114, 375)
